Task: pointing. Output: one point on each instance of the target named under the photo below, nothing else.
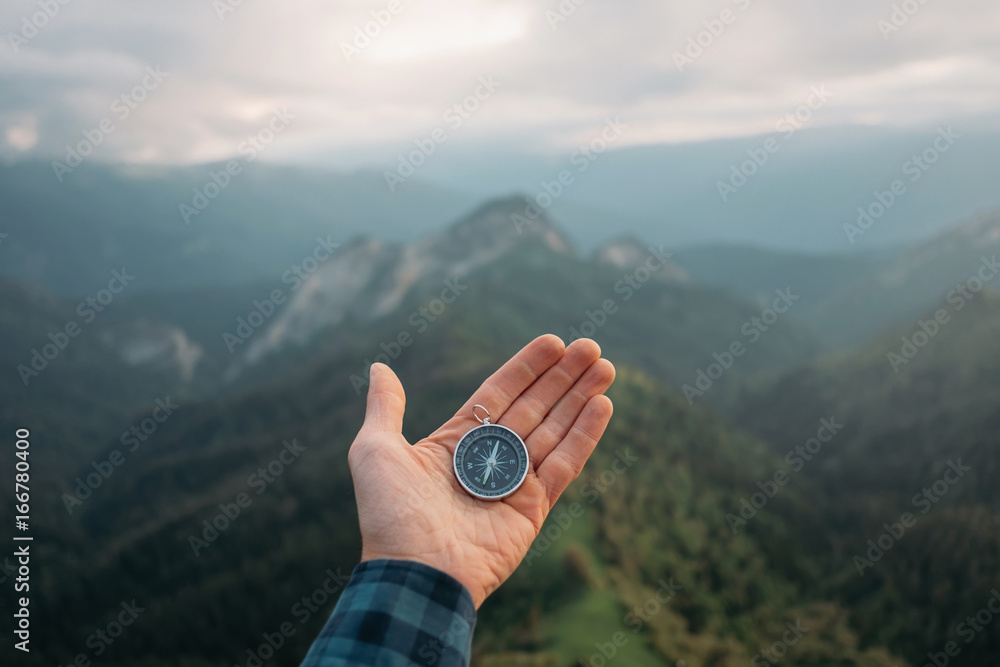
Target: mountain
(370, 279)
(754, 272)
(915, 282)
(848, 299)
(698, 515)
(70, 235)
(134, 347)
(381, 291)
(919, 408)
(77, 379)
(659, 521)
(71, 371)
(798, 200)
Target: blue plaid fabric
(396, 613)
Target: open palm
(411, 506)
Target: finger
(566, 461)
(531, 407)
(557, 424)
(500, 389)
(386, 402)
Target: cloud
(561, 77)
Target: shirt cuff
(396, 613)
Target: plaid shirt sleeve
(396, 613)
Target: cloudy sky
(232, 63)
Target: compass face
(491, 462)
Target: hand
(411, 506)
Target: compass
(491, 461)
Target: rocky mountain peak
(369, 279)
(506, 220)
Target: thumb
(386, 401)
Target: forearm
(396, 613)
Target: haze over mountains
(799, 201)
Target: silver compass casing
(504, 433)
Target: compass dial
(491, 462)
